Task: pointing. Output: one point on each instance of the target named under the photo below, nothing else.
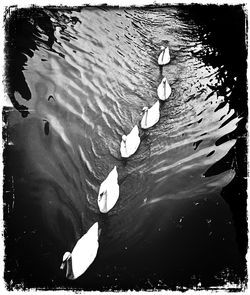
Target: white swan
(130, 143)
(164, 57)
(82, 255)
(151, 116)
(108, 192)
(164, 89)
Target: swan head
(164, 80)
(145, 109)
(66, 256)
(102, 194)
(162, 48)
(124, 138)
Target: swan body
(151, 116)
(164, 57)
(108, 192)
(130, 143)
(164, 89)
(82, 255)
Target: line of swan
(86, 248)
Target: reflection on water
(85, 76)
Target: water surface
(86, 76)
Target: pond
(77, 79)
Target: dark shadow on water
(225, 47)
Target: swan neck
(163, 53)
(69, 269)
(104, 197)
(146, 117)
(105, 201)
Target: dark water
(78, 79)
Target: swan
(108, 192)
(130, 143)
(164, 90)
(151, 116)
(82, 255)
(164, 57)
